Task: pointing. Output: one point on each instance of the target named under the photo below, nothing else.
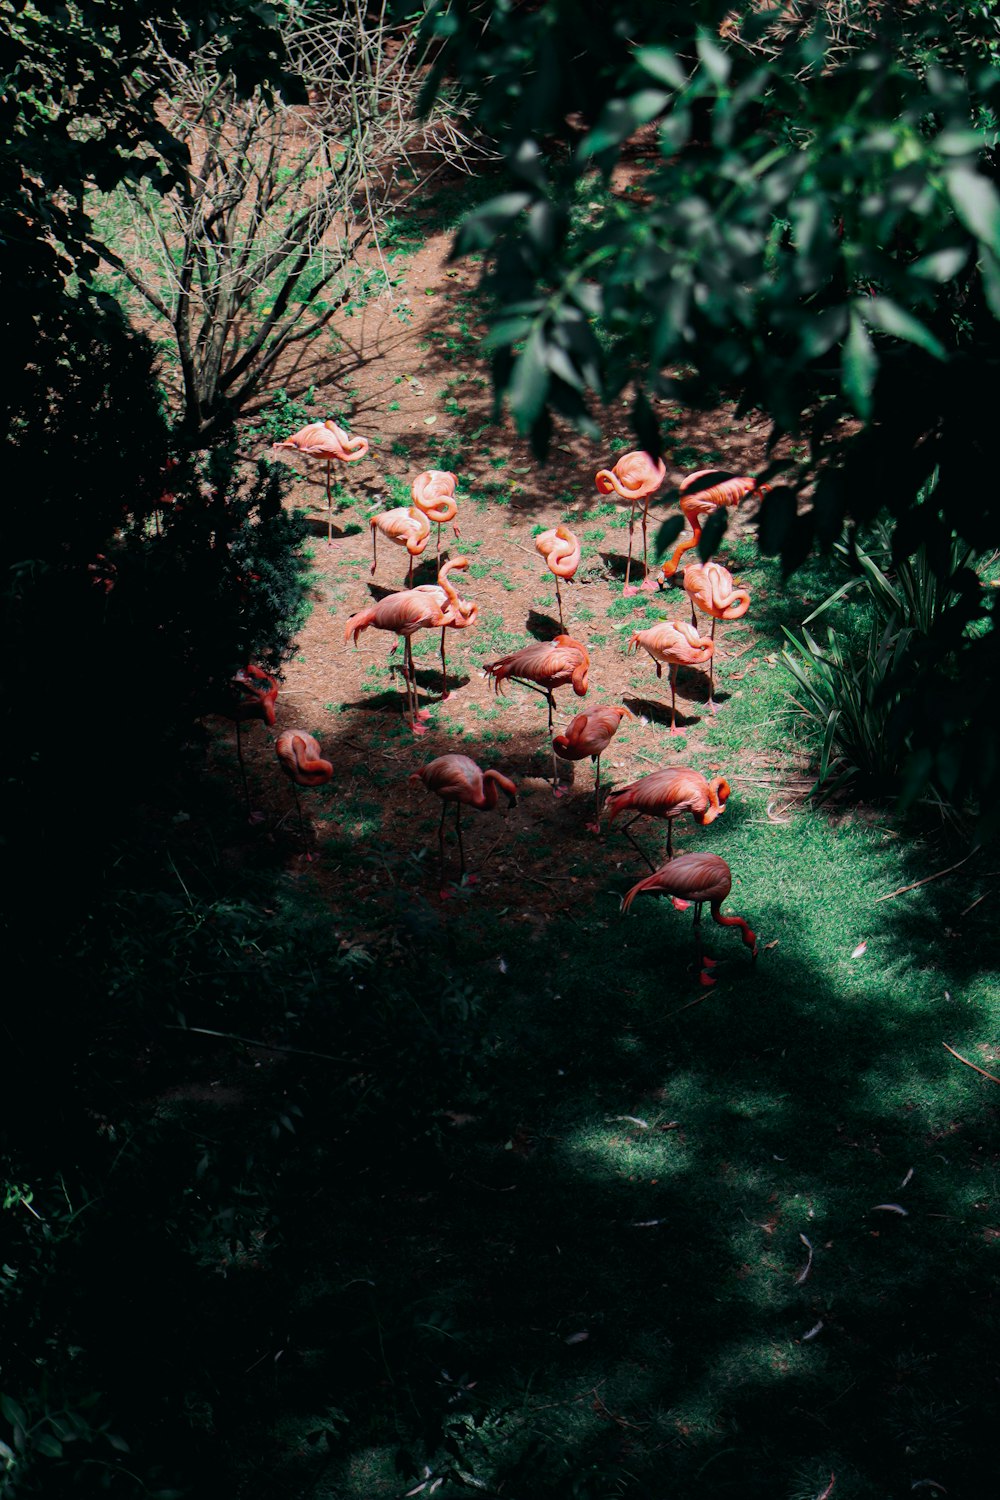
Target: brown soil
(392, 377)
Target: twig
(249, 1041)
(936, 876)
(974, 1066)
(965, 913)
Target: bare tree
(256, 248)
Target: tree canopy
(814, 230)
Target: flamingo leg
(597, 797)
(444, 666)
(444, 810)
(645, 546)
(439, 547)
(329, 508)
(374, 548)
(298, 808)
(631, 527)
(559, 599)
(409, 576)
(636, 846)
(458, 830)
(243, 769)
(711, 670)
(673, 702)
(670, 838)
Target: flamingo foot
(706, 981)
(418, 729)
(675, 733)
(558, 791)
(444, 697)
(712, 706)
(630, 589)
(423, 714)
(255, 819)
(679, 904)
(708, 963)
(650, 585)
(593, 828)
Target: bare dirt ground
(416, 387)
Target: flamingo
(591, 734)
(408, 527)
(668, 794)
(433, 494)
(326, 440)
(698, 504)
(676, 644)
(710, 586)
(257, 702)
(698, 878)
(561, 551)
(465, 613)
(456, 778)
(636, 476)
(406, 612)
(543, 666)
(301, 760)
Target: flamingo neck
(749, 936)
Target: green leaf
(529, 382)
(14, 1414)
(48, 1446)
(858, 367)
(977, 204)
(889, 317)
(660, 63)
(940, 265)
(666, 535)
(480, 228)
(712, 533)
(715, 62)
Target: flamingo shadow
(542, 627)
(658, 712)
(616, 564)
(316, 527)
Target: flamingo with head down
(433, 494)
(327, 441)
(591, 734)
(710, 586)
(696, 878)
(669, 794)
(673, 644)
(561, 551)
(636, 476)
(258, 694)
(301, 760)
(407, 527)
(457, 779)
(465, 613)
(544, 666)
(701, 495)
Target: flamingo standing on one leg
(710, 586)
(699, 499)
(591, 734)
(698, 878)
(464, 612)
(405, 612)
(561, 551)
(259, 694)
(543, 666)
(301, 760)
(328, 441)
(407, 527)
(433, 494)
(669, 794)
(636, 476)
(676, 644)
(456, 778)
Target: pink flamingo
(457, 779)
(429, 607)
(465, 613)
(698, 878)
(543, 666)
(699, 500)
(433, 493)
(407, 527)
(710, 586)
(561, 551)
(668, 794)
(328, 441)
(301, 760)
(259, 692)
(636, 476)
(591, 734)
(676, 644)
